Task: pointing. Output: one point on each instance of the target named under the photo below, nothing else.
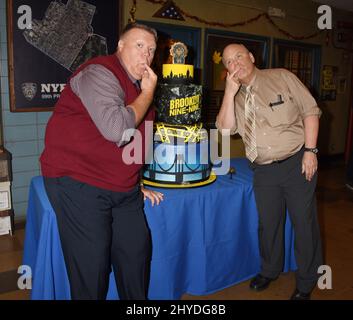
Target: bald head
(237, 59)
(231, 48)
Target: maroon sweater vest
(74, 146)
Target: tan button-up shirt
(282, 102)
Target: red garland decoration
(228, 25)
(290, 35)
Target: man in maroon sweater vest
(95, 194)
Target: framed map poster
(49, 39)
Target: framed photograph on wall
(329, 83)
(48, 40)
(302, 59)
(342, 85)
(215, 72)
(217, 40)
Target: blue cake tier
(179, 163)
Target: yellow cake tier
(190, 133)
(178, 71)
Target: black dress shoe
(260, 283)
(297, 295)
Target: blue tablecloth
(204, 239)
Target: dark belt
(283, 160)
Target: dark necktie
(138, 86)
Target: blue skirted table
(204, 239)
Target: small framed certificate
(4, 200)
(5, 225)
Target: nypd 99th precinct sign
(48, 40)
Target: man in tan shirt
(278, 120)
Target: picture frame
(48, 40)
(301, 58)
(217, 40)
(329, 83)
(342, 85)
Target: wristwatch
(313, 150)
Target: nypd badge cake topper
(179, 52)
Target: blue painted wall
(23, 132)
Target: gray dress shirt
(101, 93)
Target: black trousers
(279, 186)
(99, 228)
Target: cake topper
(179, 52)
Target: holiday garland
(225, 25)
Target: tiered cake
(180, 147)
